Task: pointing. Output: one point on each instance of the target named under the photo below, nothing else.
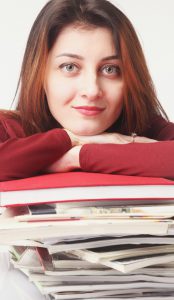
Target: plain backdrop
(152, 19)
(154, 23)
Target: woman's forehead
(83, 41)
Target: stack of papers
(108, 248)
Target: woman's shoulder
(160, 129)
(9, 115)
(10, 124)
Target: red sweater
(22, 156)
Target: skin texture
(84, 94)
(84, 89)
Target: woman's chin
(86, 132)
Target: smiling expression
(83, 81)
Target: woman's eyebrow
(82, 58)
(111, 57)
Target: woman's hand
(107, 138)
(142, 139)
(75, 140)
(68, 162)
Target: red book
(83, 186)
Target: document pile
(96, 249)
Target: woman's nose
(90, 87)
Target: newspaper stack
(88, 251)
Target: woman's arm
(138, 159)
(115, 153)
(142, 158)
(71, 159)
(29, 156)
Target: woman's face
(83, 82)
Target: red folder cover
(75, 179)
(80, 185)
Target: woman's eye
(69, 68)
(111, 70)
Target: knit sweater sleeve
(22, 157)
(138, 159)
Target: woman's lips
(89, 110)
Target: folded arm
(29, 156)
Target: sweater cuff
(83, 157)
(66, 139)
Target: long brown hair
(140, 101)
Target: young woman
(86, 99)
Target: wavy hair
(140, 103)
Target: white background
(152, 19)
(154, 23)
